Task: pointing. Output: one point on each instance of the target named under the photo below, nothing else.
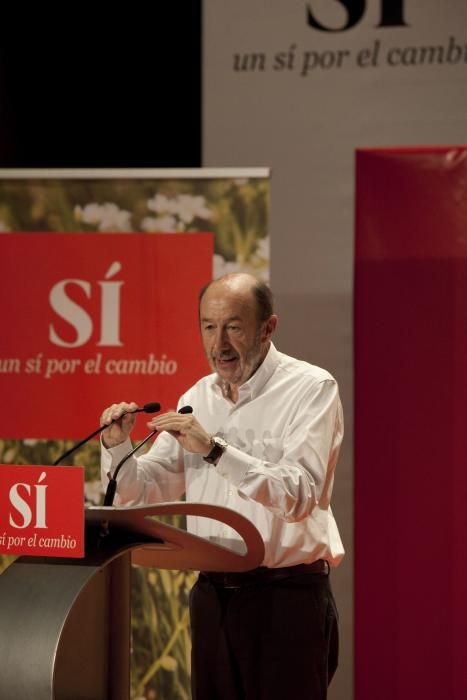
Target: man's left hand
(185, 429)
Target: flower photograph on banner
(234, 210)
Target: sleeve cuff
(111, 456)
(234, 464)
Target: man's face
(234, 342)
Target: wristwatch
(219, 446)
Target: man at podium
(263, 440)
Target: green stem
(154, 667)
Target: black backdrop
(121, 92)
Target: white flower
(257, 265)
(263, 249)
(165, 224)
(90, 214)
(185, 207)
(108, 217)
(191, 207)
(222, 267)
(159, 204)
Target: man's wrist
(109, 444)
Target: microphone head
(151, 407)
(185, 409)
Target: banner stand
(65, 623)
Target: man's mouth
(225, 359)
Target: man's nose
(220, 340)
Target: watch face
(220, 442)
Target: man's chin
(228, 371)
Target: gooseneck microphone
(112, 485)
(152, 407)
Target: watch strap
(218, 449)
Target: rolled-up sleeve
(154, 477)
(303, 475)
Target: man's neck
(230, 391)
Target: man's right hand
(124, 420)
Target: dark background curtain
(121, 91)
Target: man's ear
(269, 328)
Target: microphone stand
(112, 485)
(147, 408)
(78, 445)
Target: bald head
(246, 286)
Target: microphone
(112, 485)
(185, 409)
(152, 407)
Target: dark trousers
(264, 641)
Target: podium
(65, 623)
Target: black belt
(237, 579)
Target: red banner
(93, 319)
(41, 511)
(410, 415)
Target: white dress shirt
(284, 435)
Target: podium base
(65, 623)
